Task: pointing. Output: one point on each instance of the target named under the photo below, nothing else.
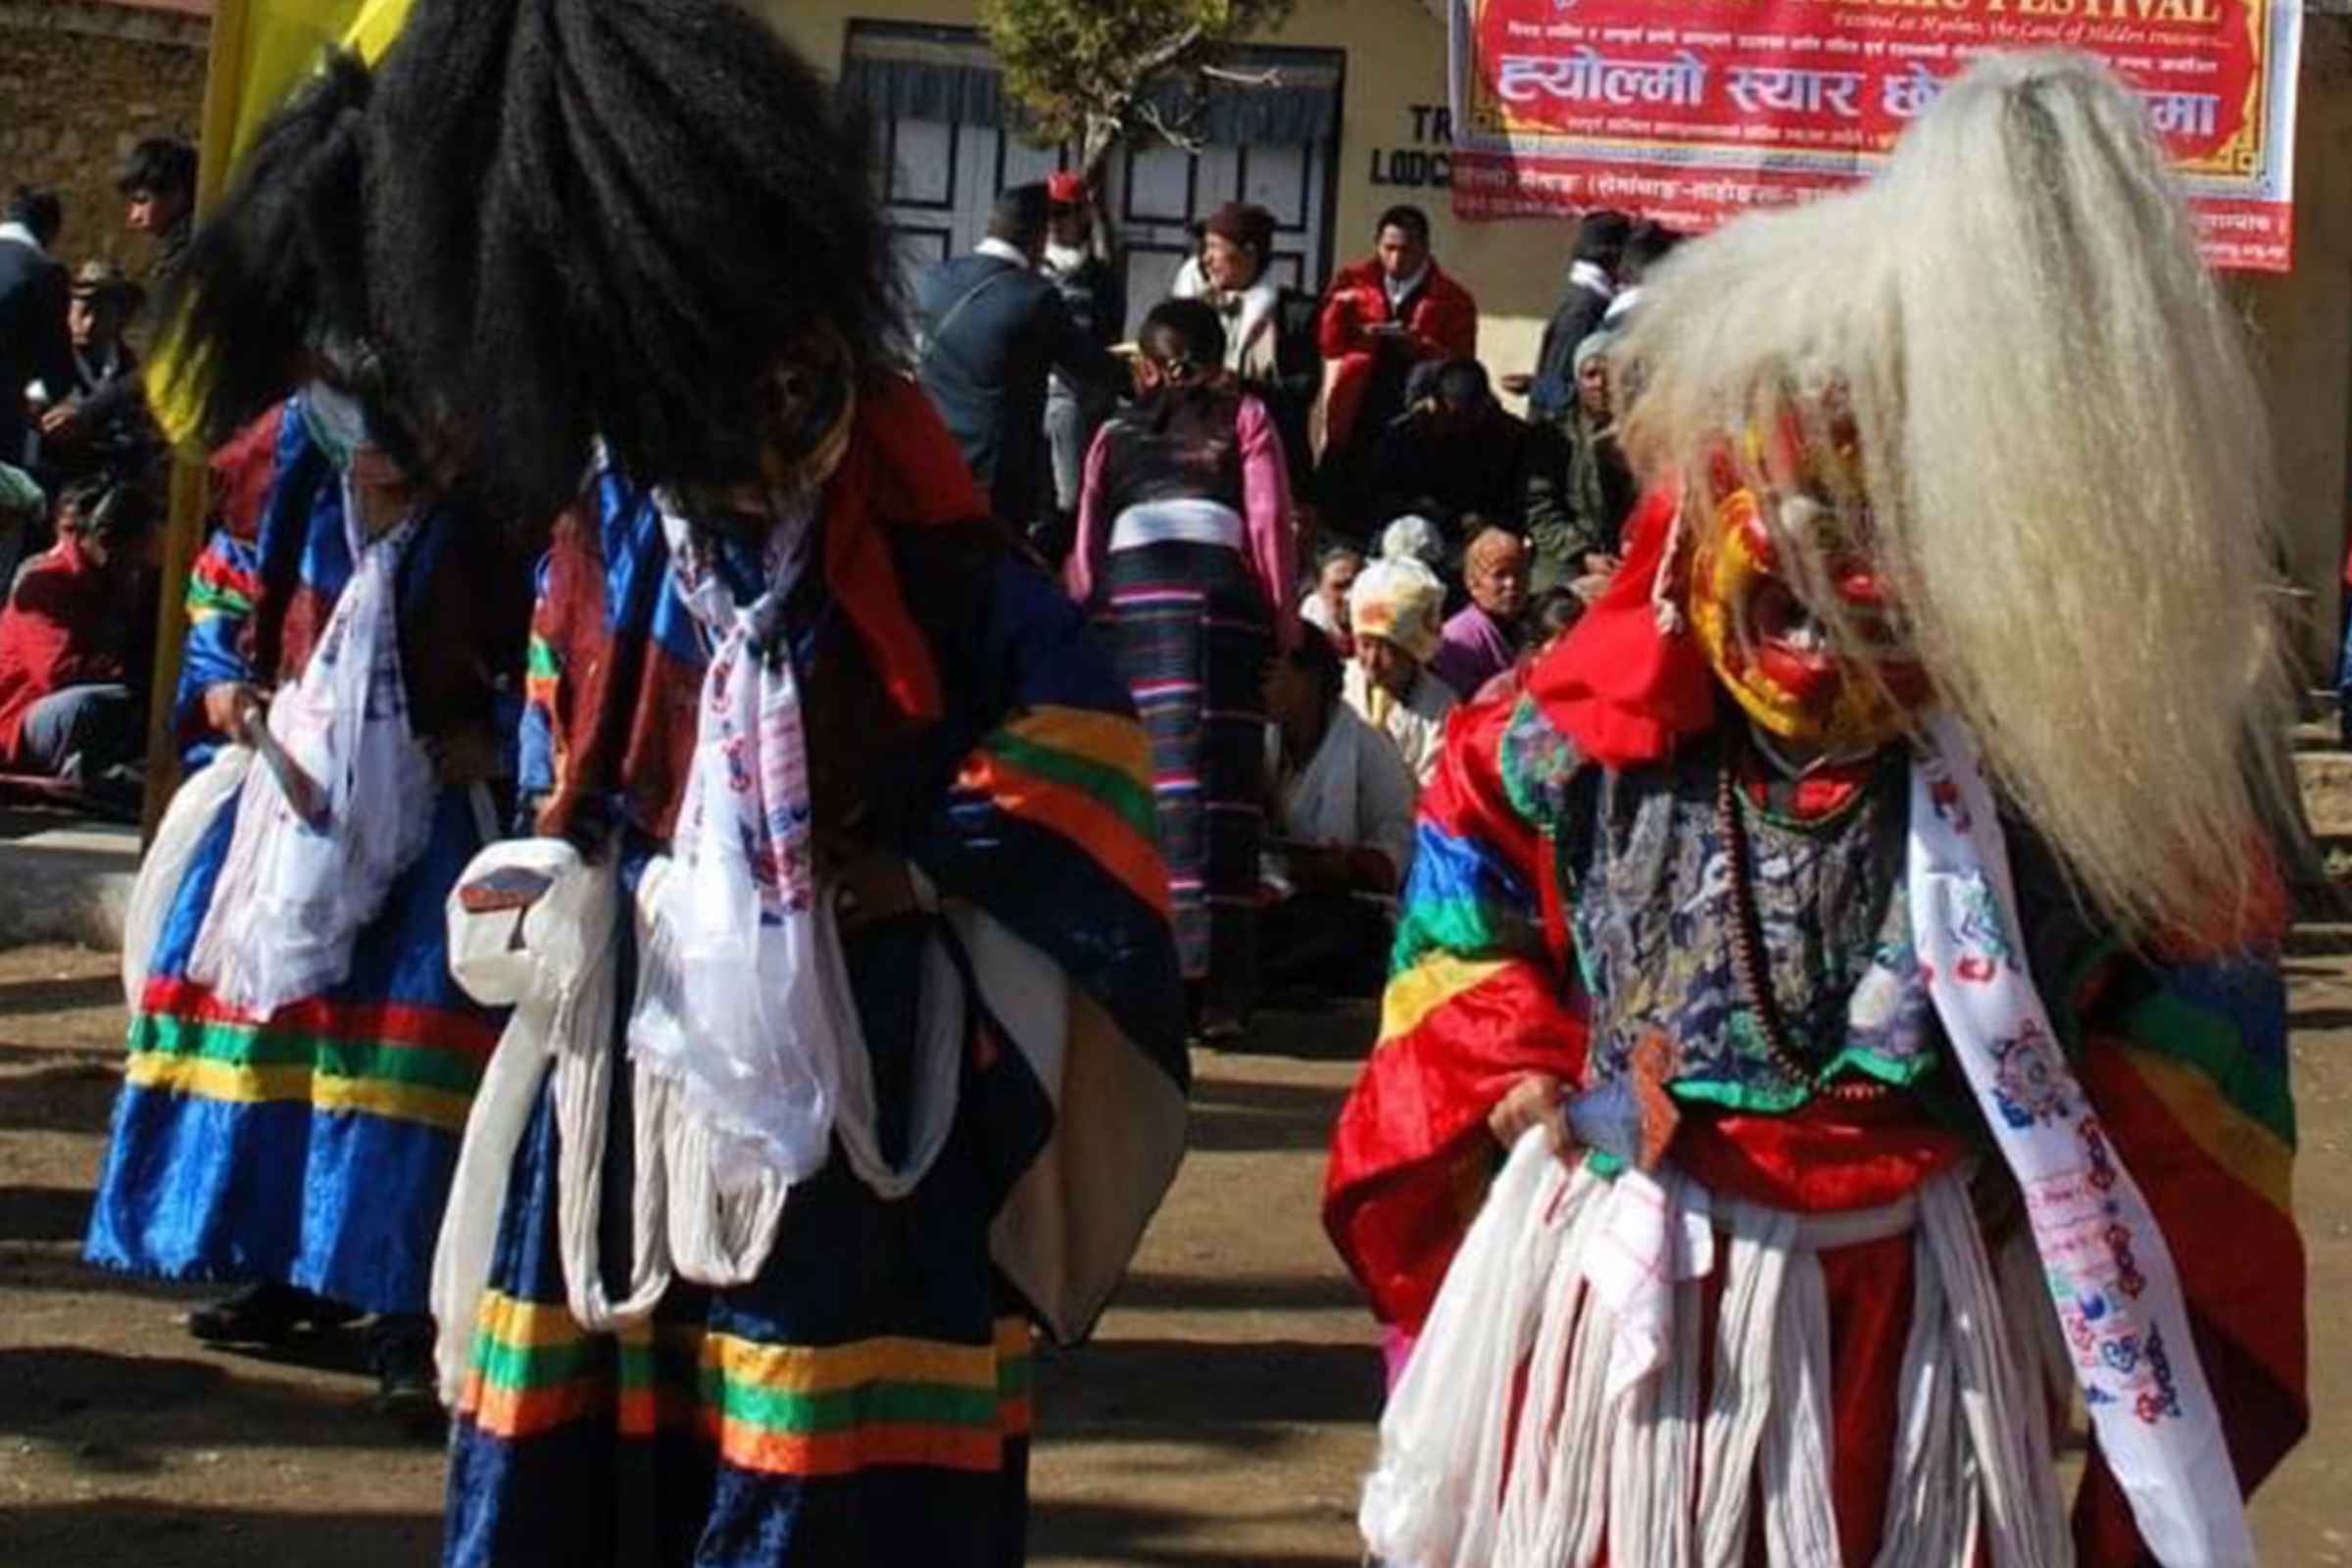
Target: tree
(1094, 71)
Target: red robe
(1442, 323)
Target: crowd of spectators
(1308, 524)
(81, 486)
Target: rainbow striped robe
(314, 1148)
(866, 1399)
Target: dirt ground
(1221, 1417)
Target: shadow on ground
(1236, 1119)
(115, 1533)
(125, 1414)
(1202, 1391)
(1115, 1532)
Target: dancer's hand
(230, 706)
(1533, 1099)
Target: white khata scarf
(752, 1038)
(2110, 1274)
(325, 831)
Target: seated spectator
(1581, 541)
(1325, 607)
(1549, 617)
(1458, 451)
(1339, 831)
(1394, 608)
(76, 640)
(100, 420)
(1482, 640)
(1380, 318)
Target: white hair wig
(2065, 469)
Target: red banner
(1696, 112)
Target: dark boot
(400, 1348)
(267, 1314)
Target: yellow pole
(184, 530)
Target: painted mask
(1780, 659)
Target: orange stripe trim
(1077, 817)
(749, 1447)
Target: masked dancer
(1871, 901)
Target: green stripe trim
(840, 1409)
(1132, 803)
(1464, 928)
(2170, 1026)
(528, 1369)
(211, 599)
(1016, 1375)
(162, 1033)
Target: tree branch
(1244, 78)
(1152, 62)
(1179, 137)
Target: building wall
(79, 83)
(1391, 146)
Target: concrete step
(65, 879)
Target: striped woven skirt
(315, 1148)
(1191, 635)
(865, 1400)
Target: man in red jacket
(1380, 318)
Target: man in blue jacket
(993, 328)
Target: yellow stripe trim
(2226, 1135)
(810, 1369)
(1429, 985)
(1113, 740)
(250, 1086)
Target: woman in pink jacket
(1185, 554)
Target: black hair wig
(629, 218)
(163, 164)
(277, 273)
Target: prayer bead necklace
(1747, 953)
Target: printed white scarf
(2110, 1274)
(752, 1040)
(296, 890)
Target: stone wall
(80, 82)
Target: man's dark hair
(162, 166)
(1461, 385)
(1183, 334)
(39, 211)
(1649, 244)
(679, 217)
(1021, 215)
(1412, 220)
(109, 507)
(1601, 235)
